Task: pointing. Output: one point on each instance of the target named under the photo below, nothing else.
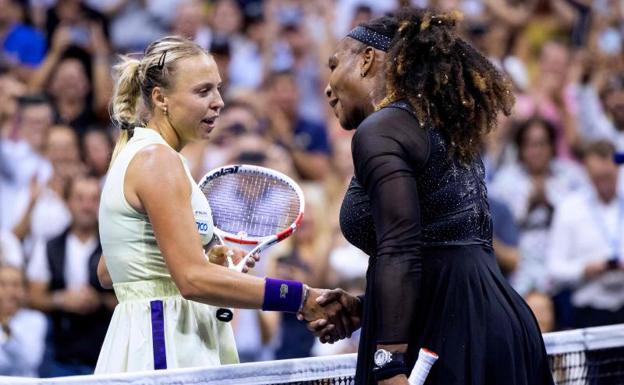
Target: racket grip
(426, 359)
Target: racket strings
(254, 203)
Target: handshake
(331, 314)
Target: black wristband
(390, 370)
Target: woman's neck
(165, 129)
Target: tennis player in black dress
(421, 99)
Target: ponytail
(126, 96)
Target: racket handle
(241, 265)
(256, 250)
(426, 359)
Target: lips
(210, 122)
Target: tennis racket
(426, 359)
(253, 206)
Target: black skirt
(482, 330)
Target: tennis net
(592, 356)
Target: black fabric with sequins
(453, 198)
(371, 37)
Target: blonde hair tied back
(136, 78)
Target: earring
(165, 110)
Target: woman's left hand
(219, 254)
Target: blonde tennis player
(154, 221)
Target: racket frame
(261, 243)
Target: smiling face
(350, 94)
(194, 100)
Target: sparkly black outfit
(432, 279)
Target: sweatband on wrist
(282, 295)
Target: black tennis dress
(432, 280)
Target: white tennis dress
(153, 327)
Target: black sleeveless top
(408, 195)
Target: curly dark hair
(452, 86)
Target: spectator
(10, 250)
(76, 17)
(22, 46)
(584, 254)
(305, 140)
(532, 188)
(603, 119)
(46, 214)
(11, 88)
(221, 51)
(64, 284)
(26, 165)
(97, 148)
(305, 65)
(505, 237)
(22, 331)
(77, 79)
(251, 56)
(190, 22)
(135, 23)
(551, 97)
(307, 259)
(227, 18)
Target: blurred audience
(563, 57)
(63, 283)
(24, 160)
(304, 139)
(23, 47)
(584, 255)
(22, 331)
(531, 188)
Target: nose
(218, 102)
(328, 91)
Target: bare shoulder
(157, 169)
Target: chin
(345, 122)
(346, 126)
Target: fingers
(251, 262)
(317, 326)
(218, 254)
(328, 297)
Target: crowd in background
(556, 197)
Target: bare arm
(102, 81)
(60, 41)
(157, 178)
(507, 256)
(22, 228)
